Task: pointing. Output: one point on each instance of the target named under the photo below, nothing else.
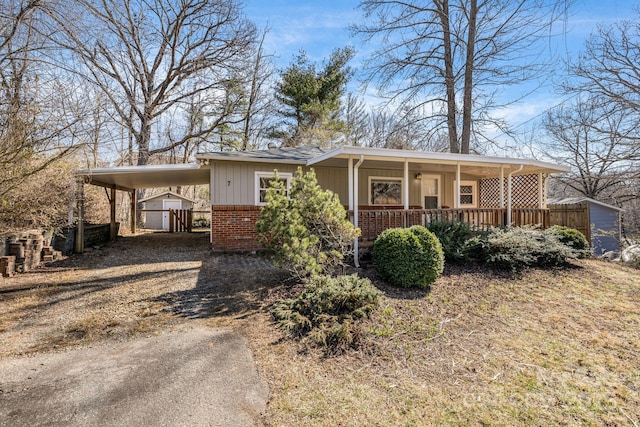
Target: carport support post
(79, 243)
(133, 211)
(112, 205)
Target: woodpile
(25, 254)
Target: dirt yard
(136, 285)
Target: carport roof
(128, 178)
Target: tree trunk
(467, 105)
(449, 80)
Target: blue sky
(320, 26)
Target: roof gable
(167, 195)
(579, 200)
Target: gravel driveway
(111, 304)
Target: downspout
(509, 194)
(356, 255)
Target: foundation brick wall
(233, 228)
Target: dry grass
(550, 348)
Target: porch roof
(384, 158)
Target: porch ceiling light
(419, 175)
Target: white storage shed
(157, 207)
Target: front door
(166, 205)
(430, 194)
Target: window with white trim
(264, 181)
(385, 191)
(468, 193)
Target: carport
(131, 179)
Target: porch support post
(501, 186)
(350, 180)
(112, 225)
(356, 254)
(509, 191)
(133, 211)
(79, 243)
(540, 191)
(406, 184)
(457, 189)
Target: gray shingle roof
(293, 154)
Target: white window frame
(474, 193)
(373, 179)
(286, 176)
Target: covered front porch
(397, 188)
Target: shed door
(166, 205)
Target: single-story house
(599, 222)
(156, 208)
(380, 188)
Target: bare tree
(456, 56)
(148, 57)
(403, 129)
(36, 118)
(608, 68)
(259, 103)
(589, 136)
(356, 120)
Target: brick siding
(233, 228)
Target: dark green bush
(571, 237)
(327, 311)
(408, 257)
(456, 240)
(516, 248)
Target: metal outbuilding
(599, 222)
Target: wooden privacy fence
(374, 222)
(572, 216)
(180, 220)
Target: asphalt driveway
(195, 376)
(145, 331)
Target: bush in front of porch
(516, 248)
(408, 257)
(458, 240)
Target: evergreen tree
(310, 99)
(307, 229)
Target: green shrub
(456, 240)
(307, 230)
(572, 238)
(516, 248)
(408, 257)
(328, 310)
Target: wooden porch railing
(374, 222)
(180, 220)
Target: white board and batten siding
(234, 183)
